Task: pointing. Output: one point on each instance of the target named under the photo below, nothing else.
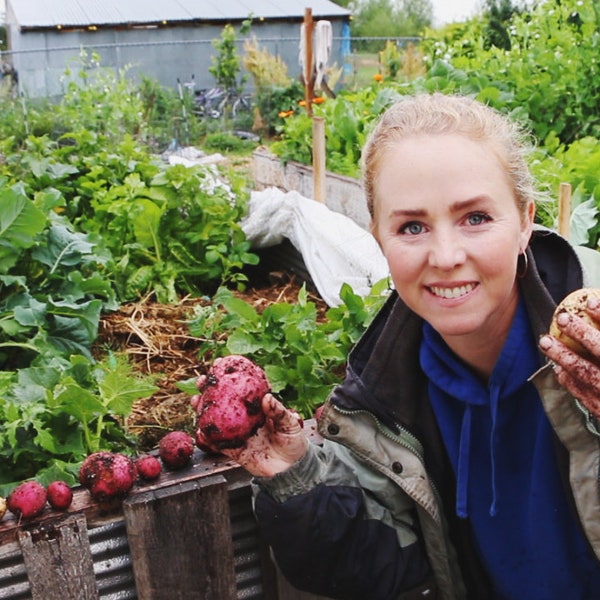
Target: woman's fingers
(580, 376)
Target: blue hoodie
(501, 446)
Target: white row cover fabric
(334, 248)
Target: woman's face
(448, 224)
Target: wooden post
(308, 75)
(181, 543)
(59, 561)
(564, 210)
(319, 168)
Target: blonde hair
(439, 114)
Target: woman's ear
(527, 226)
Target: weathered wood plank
(180, 541)
(59, 560)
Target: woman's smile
(451, 292)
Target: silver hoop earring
(522, 264)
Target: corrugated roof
(41, 13)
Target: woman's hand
(580, 375)
(276, 446)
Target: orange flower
(301, 102)
(319, 100)
(378, 77)
(285, 113)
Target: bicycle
(217, 102)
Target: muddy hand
(277, 445)
(578, 372)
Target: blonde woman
(456, 462)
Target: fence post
(59, 561)
(180, 541)
(319, 155)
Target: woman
(456, 462)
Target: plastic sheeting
(334, 248)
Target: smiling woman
(444, 433)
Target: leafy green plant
(302, 356)
(390, 58)
(227, 142)
(171, 229)
(100, 100)
(52, 416)
(226, 65)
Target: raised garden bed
(191, 534)
(342, 194)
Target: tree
(497, 15)
(391, 18)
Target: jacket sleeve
(332, 537)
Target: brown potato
(575, 303)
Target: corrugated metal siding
(113, 568)
(83, 13)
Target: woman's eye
(412, 228)
(478, 218)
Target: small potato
(575, 303)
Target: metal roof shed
(162, 40)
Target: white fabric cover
(334, 248)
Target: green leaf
(63, 248)
(119, 390)
(188, 386)
(242, 309)
(583, 219)
(146, 222)
(20, 223)
(79, 402)
(240, 342)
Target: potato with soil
(148, 467)
(229, 406)
(60, 495)
(575, 304)
(108, 476)
(27, 500)
(176, 449)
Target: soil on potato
(158, 342)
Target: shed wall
(164, 54)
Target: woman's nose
(446, 251)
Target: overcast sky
(446, 11)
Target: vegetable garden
(101, 240)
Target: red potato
(176, 449)
(148, 467)
(27, 500)
(108, 476)
(229, 406)
(60, 495)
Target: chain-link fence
(43, 71)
